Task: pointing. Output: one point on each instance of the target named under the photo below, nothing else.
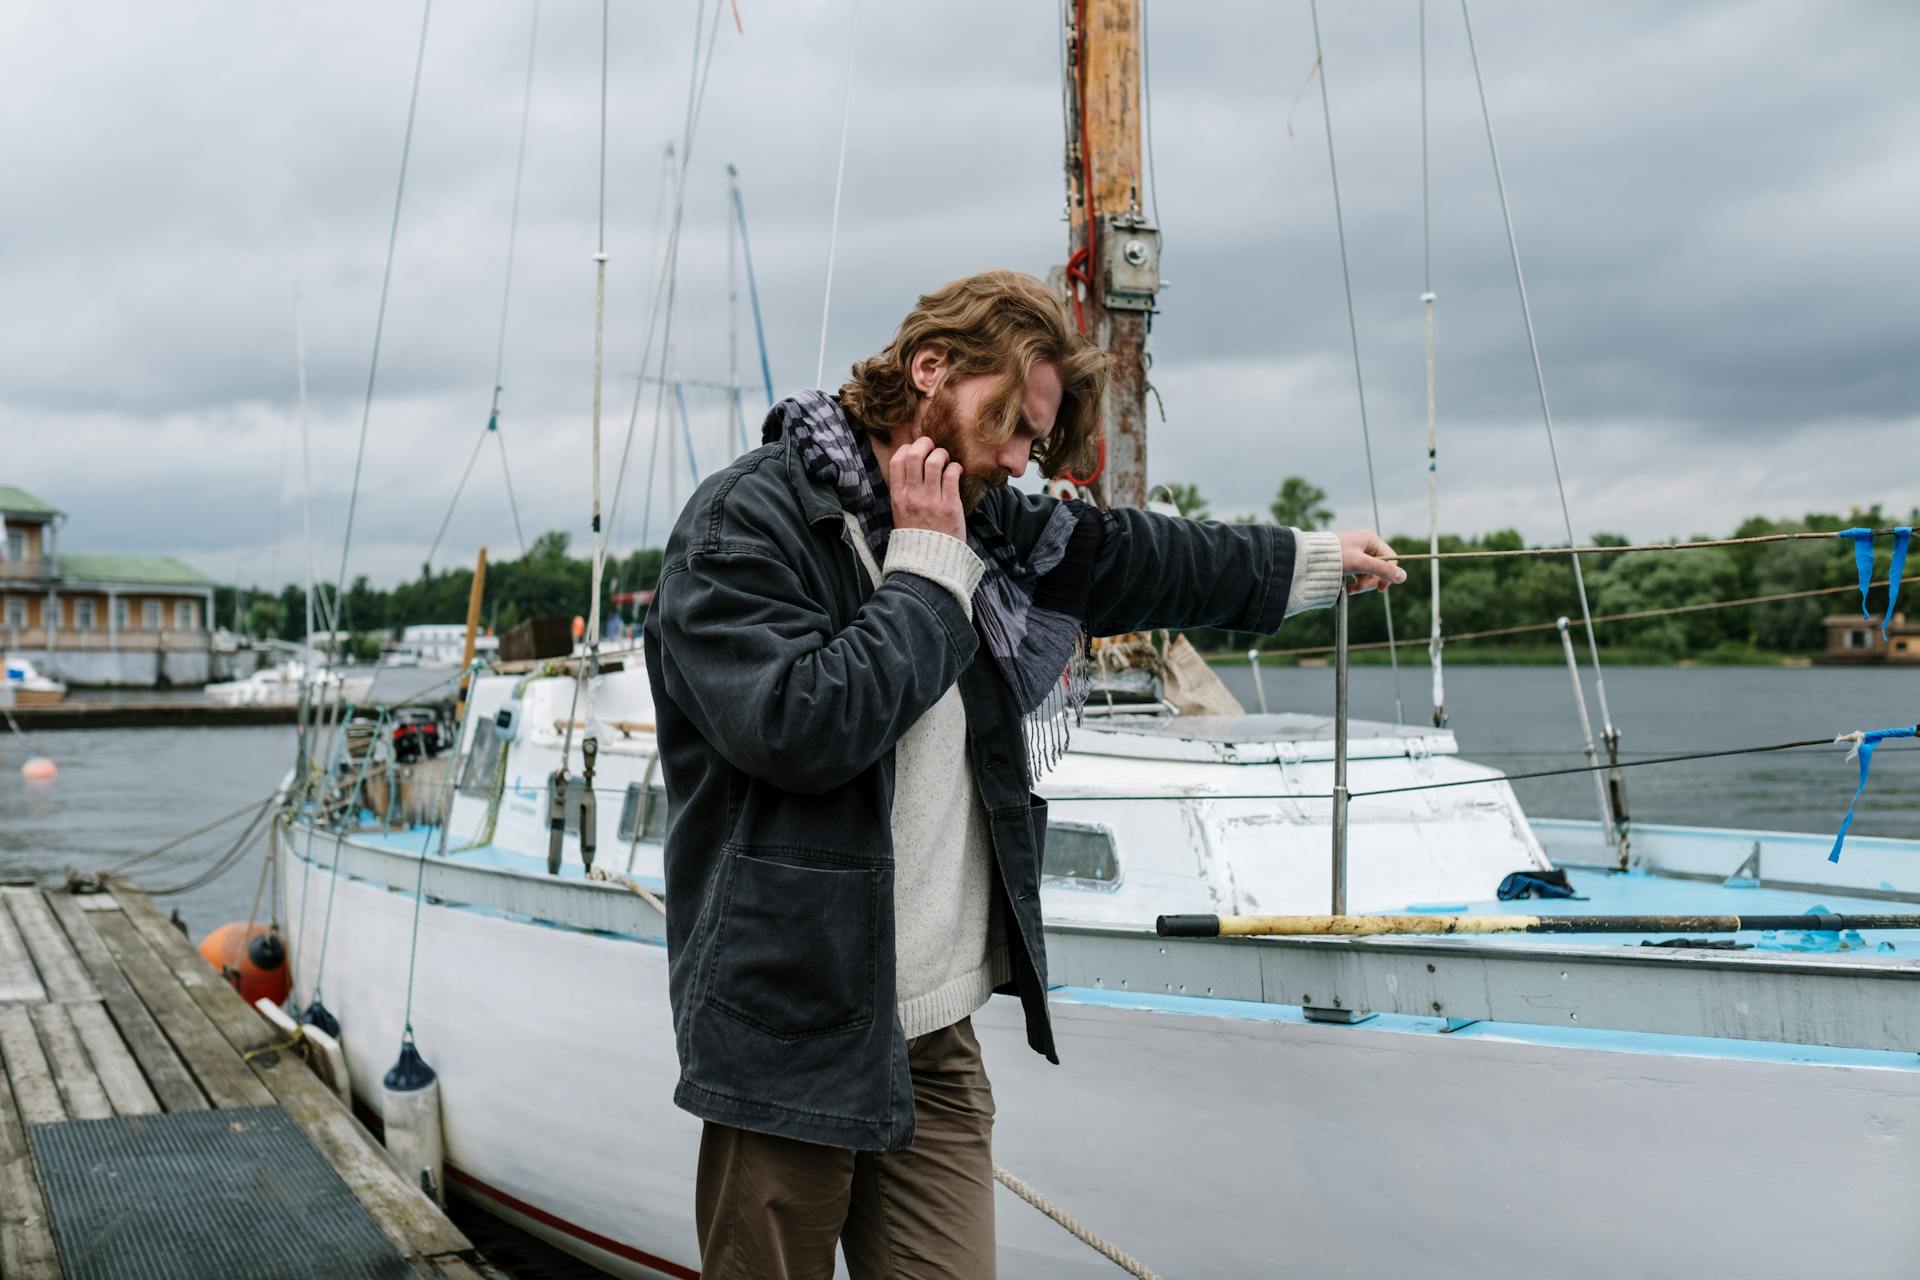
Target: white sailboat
(1509, 1107)
(1490, 1107)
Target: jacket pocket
(795, 946)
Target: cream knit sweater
(949, 952)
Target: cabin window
(645, 812)
(483, 761)
(183, 619)
(83, 618)
(150, 615)
(16, 612)
(1081, 855)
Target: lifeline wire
(1353, 332)
(1633, 616)
(839, 181)
(1477, 782)
(1596, 549)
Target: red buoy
(253, 961)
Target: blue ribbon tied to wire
(1863, 561)
(1863, 748)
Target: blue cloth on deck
(1868, 742)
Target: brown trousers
(772, 1208)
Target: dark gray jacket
(781, 683)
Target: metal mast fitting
(1113, 265)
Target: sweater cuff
(938, 558)
(1317, 575)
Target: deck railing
(99, 640)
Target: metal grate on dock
(196, 1193)
(149, 1127)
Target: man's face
(951, 417)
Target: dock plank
(61, 972)
(171, 1083)
(18, 979)
(73, 1074)
(34, 1093)
(26, 1229)
(404, 1212)
(127, 1090)
(214, 1064)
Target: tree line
(1476, 595)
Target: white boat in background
(280, 686)
(436, 645)
(25, 685)
(1224, 1107)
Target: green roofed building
(66, 604)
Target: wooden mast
(1113, 271)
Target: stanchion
(1340, 754)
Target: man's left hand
(1365, 558)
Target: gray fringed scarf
(1031, 613)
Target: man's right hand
(924, 484)
(1368, 562)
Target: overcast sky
(1716, 208)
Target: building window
(183, 619)
(83, 619)
(150, 615)
(120, 622)
(16, 612)
(16, 545)
(1080, 855)
(1857, 639)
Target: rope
(631, 885)
(380, 316)
(223, 820)
(1126, 1262)
(1540, 382)
(1596, 549)
(839, 181)
(1632, 616)
(1353, 333)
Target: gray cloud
(1714, 207)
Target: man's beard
(941, 423)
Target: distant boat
(279, 686)
(26, 686)
(436, 645)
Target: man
(859, 631)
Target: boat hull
(1206, 1136)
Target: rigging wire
(839, 181)
(1539, 379)
(664, 287)
(492, 426)
(1435, 642)
(1353, 332)
(380, 316)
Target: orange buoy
(39, 769)
(253, 962)
(579, 626)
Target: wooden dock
(106, 1010)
